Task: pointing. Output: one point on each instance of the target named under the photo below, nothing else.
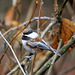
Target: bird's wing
(50, 48)
(48, 45)
(40, 45)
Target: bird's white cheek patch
(32, 35)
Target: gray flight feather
(38, 45)
(42, 45)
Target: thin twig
(68, 70)
(6, 32)
(63, 7)
(44, 23)
(56, 8)
(48, 28)
(18, 9)
(62, 51)
(11, 58)
(32, 65)
(13, 54)
(16, 68)
(25, 67)
(41, 3)
(70, 9)
(50, 69)
(14, 2)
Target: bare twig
(70, 10)
(62, 51)
(32, 65)
(56, 8)
(63, 7)
(17, 67)
(68, 70)
(25, 67)
(6, 32)
(14, 2)
(44, 23)
(18, 8)
(41, 3)
(13, 54)
(48, 27)
(55, 56)
(11, 58)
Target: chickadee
(33, 43)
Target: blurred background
(12, 15)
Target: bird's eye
(25, 37)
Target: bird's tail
(54, 51)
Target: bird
(34, 44)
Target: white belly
(27, 48)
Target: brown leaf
(67, 31)
(55, 42)
(9, 16)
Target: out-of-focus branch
(13, 54)
(62, 51)
(11, 58)
(63, 7)
(14, 2)
(6, 32)
(56, 8)
(32, 65)
(69, 8)
(41, 3)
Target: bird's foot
(28, 57)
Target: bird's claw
(28, 57)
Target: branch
(41, 3)
(48, 28)
(13, 54)
(32, 64)
(17, 67)
(55, 8)
(11, 58)
(55, 56)
(14, 2)
(62, 51)
(63, 7)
